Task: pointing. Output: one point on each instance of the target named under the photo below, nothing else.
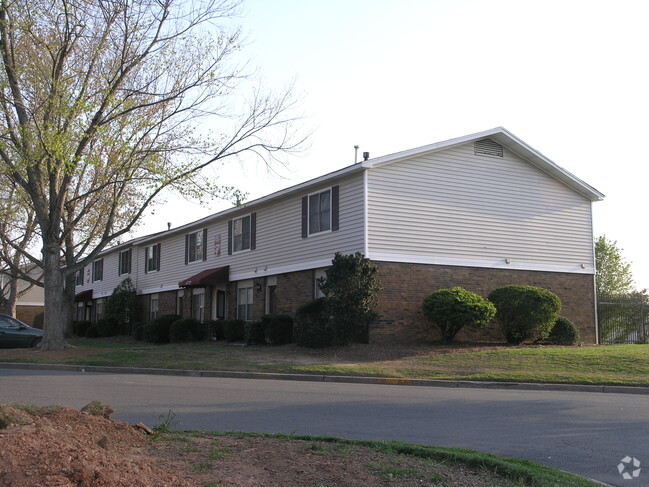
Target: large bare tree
(106, 103)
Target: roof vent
(366, 156)
(487, 147)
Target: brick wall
(406, 285)
(293, 290)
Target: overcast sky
(570, 78)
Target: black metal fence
(623, 318)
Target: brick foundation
(406, 286)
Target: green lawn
(615, 364)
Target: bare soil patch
(71, 448)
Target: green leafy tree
(453, 309)
(351, 289)
(121, 306)
(613, 275)
(105, 106)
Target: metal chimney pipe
(355, 154)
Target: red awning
(217, 275)
(83, 296)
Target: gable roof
(511, 142)
(498, 134)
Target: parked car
(14, 333)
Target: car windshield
(9, 322)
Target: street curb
(458, 384)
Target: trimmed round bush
(92, 332)
(39, 321)
(79, 328)
(312, 326)
(157, 330)
(254, 333)
(564, 332)
(452, 309)
(184, 330)
(234, 330)
(108, 327)
(278, 329)
(525, 312)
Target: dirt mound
(71, 448)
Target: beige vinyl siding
(279, 244)
(453, 206)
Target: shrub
(254, 333)
(351, 289)
(525, 312)
(233, 330)
(184, 330)
(157, 330)
(278, 329)
(121, 305)
(92, 331)
(138, 330)
(39, 320)
(564, 332)
(452, 309)
(108, 327)
(214, 329)
(79, 328)
(313, 329)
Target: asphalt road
(580, 432)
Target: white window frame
(238, 238)
(198, 304)
(98, 270)
(245, 300)
(125, 257)
(154, 306)
(99, 310)
(152, 255)
(195, 246)
(313, 227)
(318, 274)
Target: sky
(569, 77)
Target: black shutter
(146, 260)
(230, 237)
(253, 231)
(129, 256)
(186, 249)
(204, 243)
(157, 260)
(305, 216)
(335, 223)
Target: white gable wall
(453, 207)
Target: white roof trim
(511, 142)
(498, 134)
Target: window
(152, 258)
(98, 270)
(180, 298)
(242, 233)
(320, 276)
(198, 304)
(320, 212)
(124, 262)
(196, 246)
(244, 303)
(99, 310)
(153, 306)
(79, 278)
(81, 307)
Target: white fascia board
(514, 144)
(262, 271)
(489, 264)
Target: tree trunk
(12, 299)
(55, 300)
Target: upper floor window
(242, 233)
(98, 270)
(125, 262)
(152, 258)
(320, 212)
(196, 246)
(79, 277)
